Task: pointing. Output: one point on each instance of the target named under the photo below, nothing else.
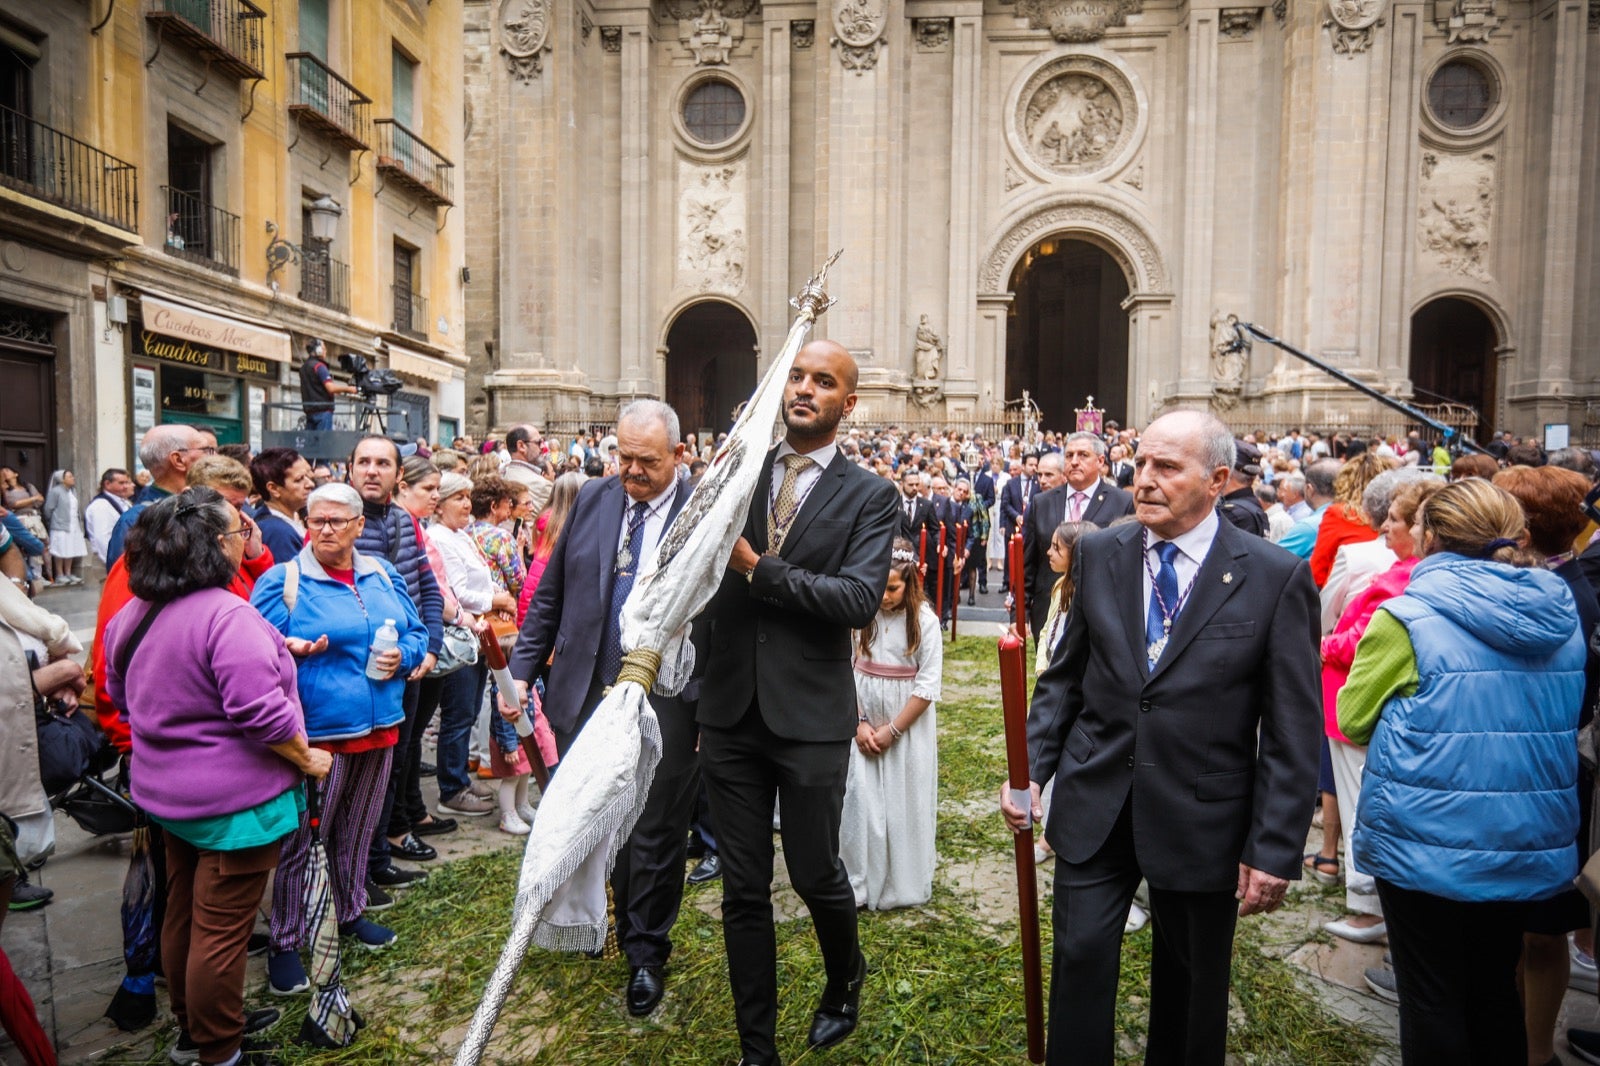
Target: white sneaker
(525, 812)
(1585, 977)
(1136, 919)
(511, 823)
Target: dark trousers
(746, 768)
(460, 703)
(1189, 969)
(647, 880)
(378, 856)
(212, 898)
(408, 806)
(1455, 966)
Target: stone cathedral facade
(1068, 197)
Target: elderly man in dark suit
(778, 707)
(1084, 496)
(576, 615)
(1182, 746)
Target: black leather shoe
(695, 848)
(427, 769)
(433, 827)
(972, 599)
(644, 990)
(834, 1021)
(708, 869)
(394, 877)
(413, 849)
(748, 1061)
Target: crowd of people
(1422, 619)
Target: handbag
(460, 648)
(505, 630)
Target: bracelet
(895, 730)
(861, 718)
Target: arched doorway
(1453, 357)
(1066, 330)
(711, 365)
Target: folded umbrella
(595, 800)
(133, 1006)
(331, 1021)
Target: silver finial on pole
(813, 298)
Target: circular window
(713, 112)
(1460, 95)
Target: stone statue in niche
(1229, 361)
(711, 231)
(524, 36)
(1073, 120)
(1456, 212)
(927, 361)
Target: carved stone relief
(1013, 179)
(858, 32)
(611, 39)
(711, 35)
(1229, 362)
(1140, 262)
(931, 35)
(1455, 215)
(1352, 24)
(927, 360)
(712, 247)
(1077, 21)
(1076, 115)
(1135, 176)
(802, 32)
(585, 27)
(1280, 10)
(1594, 15)
(1471, 21)
(1238, 22)
(524, 36)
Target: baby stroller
(99, 808)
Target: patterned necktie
(610, 661)
(787, 503)
(1077, 507)
(1164, 605)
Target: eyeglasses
(205, 449)
(242, 531)
(338, 525)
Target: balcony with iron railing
(49, 165)
(324, 281)
(201, 232)
(229, 34)
(412, 163)
(410, 313)
(324, 101)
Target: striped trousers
(352, 800)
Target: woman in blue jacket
(329, 603)
(1467, 690)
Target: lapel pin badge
(1227, 579)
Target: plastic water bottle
(388, 639)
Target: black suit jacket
(1011, 505)
(781, 639)
(572, 604)
(1122, 474)
(1107, 503)
(983, 488)
(1218, 744)
(923, 516)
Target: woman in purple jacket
(220, 742)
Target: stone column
(989, 351)
(1558, 274)
(1150, 335)
(772, 323)
(637, 374)
(1199, 213)
(961, 387)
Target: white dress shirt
(655, 520)
(807, 479)
(1193, 547)
(465, 567)
(1077, 500)
(99, 519)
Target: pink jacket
(1339, 647)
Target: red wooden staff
(960, 565)
(939, 581)
(1014, 698)
(1019, 595)
(495, 656)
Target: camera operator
(318, 387)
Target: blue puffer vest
(1470, 785)
(392, 534)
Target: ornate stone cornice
(1077, 21)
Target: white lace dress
(886, 837)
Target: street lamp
(324, 226)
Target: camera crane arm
(1453, 441)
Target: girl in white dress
(886, 838)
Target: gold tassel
(610, 950)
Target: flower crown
(900, 555)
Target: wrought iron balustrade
(201, 232)
(50, 165)
(230, 34)
(324, 281)
(410, 312)
(407, 160)
(324, 101)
